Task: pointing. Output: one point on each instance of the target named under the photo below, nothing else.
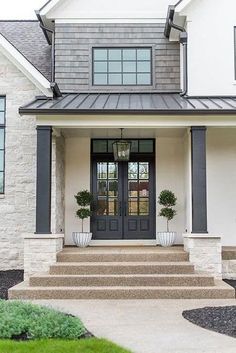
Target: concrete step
(86, 268)
(23, 291)
(45, 280)
(116, 256)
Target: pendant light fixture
(121, 149)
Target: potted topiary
(84, 200)
(168, 200)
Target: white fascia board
(7, 49)
(182, 5)
(48, 7)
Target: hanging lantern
(121, 149)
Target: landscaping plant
(25, 320)
(84, 200)
(167, 199)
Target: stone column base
(40, 252)
(205, 253)
(229, 269)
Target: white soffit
(8, 50)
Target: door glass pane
(112, 170)
(102, 188)
(102, 171)
(144, 170)
(1, 183)
(133, 188)
(102, 207)
(134, 146)
(1, 139)
(113, 188)
(110, 147)
(143, 207)
(113, 207)
(133, 207)
(133, 170)
(143, 188)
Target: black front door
(124, 206)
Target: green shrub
(84, 200)
(18, 318)
(167, 199)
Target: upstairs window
(122, 66)
(2, 143)
(235, 52)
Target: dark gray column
(199, 190)
(44, 173)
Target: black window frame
(108, 141)
(3, 127)
(150, 48)
(235, 52)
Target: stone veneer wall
(58, 185)
(17, 206)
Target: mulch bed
(9, 279)
(218, 319)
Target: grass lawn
(92, 345)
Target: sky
(19, 9)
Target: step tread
(124, 263)
(185, 275)
(218, 285)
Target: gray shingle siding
(73, 54)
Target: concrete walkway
(148, 326)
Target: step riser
(122, 294)
(64, 257)
(103, 270)
(112, 281)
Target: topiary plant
(168, 200)
(84, 200)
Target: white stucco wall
(77, 177)
(170, 174)
(221, 183)
(211, 56)
(17, 206)
(106, 9)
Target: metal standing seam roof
(137, 103)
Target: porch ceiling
(130, 103)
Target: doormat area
(9, 279)
(218, 319)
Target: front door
(124, 206)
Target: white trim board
(8, 50)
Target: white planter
(166, 238)
(82, 240)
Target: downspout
(184, 42)
(52, 51)
(54, 86)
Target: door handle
(125, 209)
(120, 208)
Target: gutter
(183, 40)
